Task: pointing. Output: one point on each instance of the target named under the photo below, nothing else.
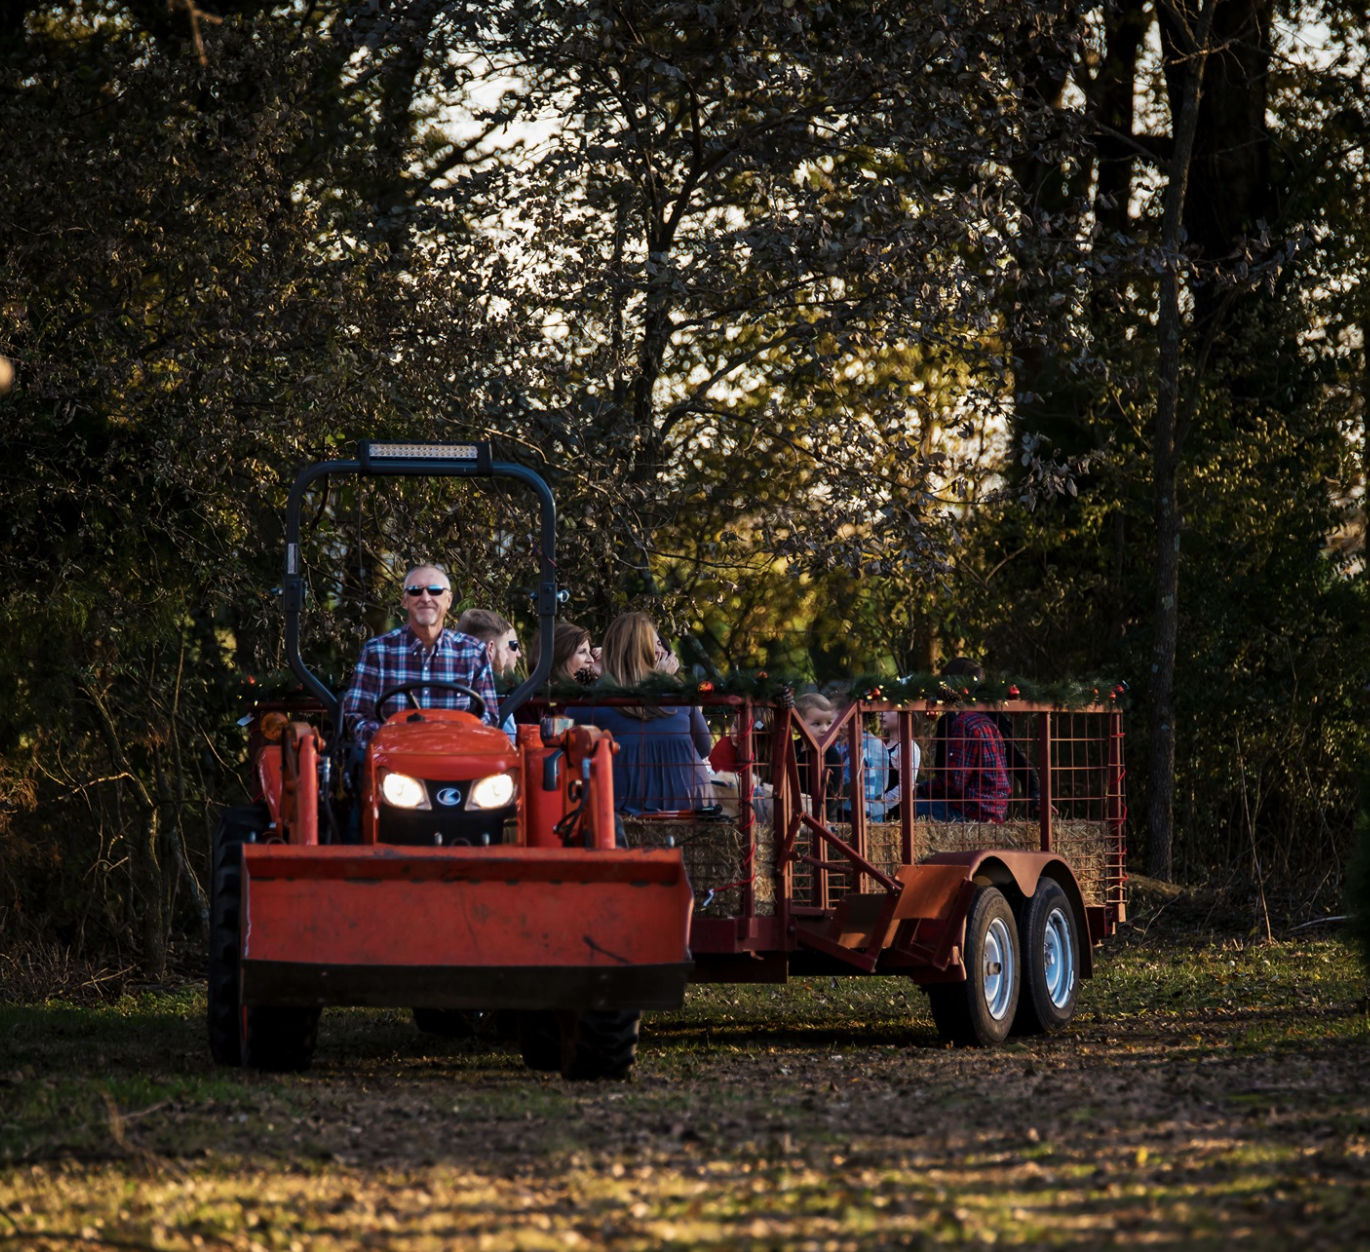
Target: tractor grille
(436, 827)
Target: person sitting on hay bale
(875, 776)
(970, 778)
(1020, 769)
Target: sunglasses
(513, 647)
(418, 591)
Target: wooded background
(850, 336)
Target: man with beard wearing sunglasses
(501, 645)
(420, 649)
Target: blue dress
(660, 765)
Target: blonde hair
(813, 702)
(628, 655)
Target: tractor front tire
(1050, 943)
(599, 1043)
(272, 1037)
(980, 1011)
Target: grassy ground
(1211, 1092)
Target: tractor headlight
(404, 792)
(493, 792)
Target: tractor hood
(467, 746)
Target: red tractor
(483, 874)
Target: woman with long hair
(660, 765)
(574, 658)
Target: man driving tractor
(422, 649)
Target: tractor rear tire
(1050, 943)
(980, 1011)
(599, 1043)
(238, 825)
(540, 1039)
(272, 1037)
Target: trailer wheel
(274, 1037)
(980, 1011)
(599, 1043)
(540, 1039)
(1051, 961)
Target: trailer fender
(1016, 874)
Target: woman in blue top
(660, 765)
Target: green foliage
(768, 291)
(1270, 441)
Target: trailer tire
(980, 1011)
(237, 826)
(539, 1035)
(1050, 943)
(599, 1043)
(273, 1037)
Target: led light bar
(384, 457)
(424, 451)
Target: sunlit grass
(1209, 1093)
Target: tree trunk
(1166, 510)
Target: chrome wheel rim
(1058, 958)
(998, 970)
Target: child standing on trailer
(817, 713)
(875, 774)
(889, 726)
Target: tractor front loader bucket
(503, 927)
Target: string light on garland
(926, 690)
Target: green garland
(962, 689)
(766, 688)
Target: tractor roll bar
(419, 460)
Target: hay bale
(1083, 845)
(716, 859)
(884, 846)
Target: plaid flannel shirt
(974, 779)
(875, 771)
(400, 657)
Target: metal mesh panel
(1065, 778)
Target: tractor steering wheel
(408, 689)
